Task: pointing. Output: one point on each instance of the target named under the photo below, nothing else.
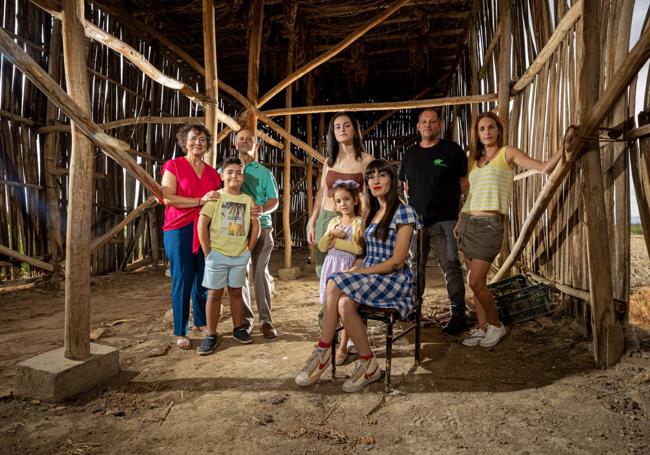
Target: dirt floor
(536, 392)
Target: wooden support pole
(309, 172)
(385, 106)
(26, 259)
(211, 81)
(51, 148)
(635, 59)
(286, 175)
(503, 103)
(82, 162)
(607, 336)
(307, 67)
(115, 148)
(549, 48)
(254, 47)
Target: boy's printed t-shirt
(230, 223)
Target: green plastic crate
(508, 285)
(524, 304)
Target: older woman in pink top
(188, 183)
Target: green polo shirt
(260, 184)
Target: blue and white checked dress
(390, 290)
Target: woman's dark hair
(476, 147)
(372, 203)
(351, 187)
(332, 147)
(181, 136)
(231, 160)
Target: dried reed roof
(418, 46)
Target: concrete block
(53, 378)
(291, 273)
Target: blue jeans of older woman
(187, 275)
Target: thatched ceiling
(417, 47)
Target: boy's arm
(254, 233)
(204, 234)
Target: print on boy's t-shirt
(232, 219)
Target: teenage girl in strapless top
(347, 160)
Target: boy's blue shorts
(222, 270)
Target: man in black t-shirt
(432, 173)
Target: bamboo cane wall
(539, 117)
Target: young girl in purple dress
(343, 242)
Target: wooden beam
(76, 338)
(286, 174)
(254, 46)
(63, 128)
(211, 81)
(141, 26)
(388, 115)
(385, 106)
(634, 61)
(309, 172)
(306, 68)
(266, 119)
(115, 148)
(17, 118)
(139, 61)
(26, 259)
(637, 133)
(549, 48)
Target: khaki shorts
(480, 237)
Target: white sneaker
(493, 335)
(316, 365)
(473, 338)
(364, 373)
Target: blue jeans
(187, 275)
(443, 236)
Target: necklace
(485, 157)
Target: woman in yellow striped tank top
(479, 230)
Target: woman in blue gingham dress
(390, 290)
(383, 280)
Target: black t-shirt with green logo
(433, 175)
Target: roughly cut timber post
(82, 166)
(309, 178)
(51, 151)
(79, 365)
(211, 84)
(607, 335)
(254, 46)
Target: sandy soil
(536, 392)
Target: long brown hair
(372, 203)
(332, 147)
(476, 147)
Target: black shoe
(455, 325)
(240, 334)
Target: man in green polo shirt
(260, 184)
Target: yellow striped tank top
(490, 186)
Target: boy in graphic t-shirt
(227, 234)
